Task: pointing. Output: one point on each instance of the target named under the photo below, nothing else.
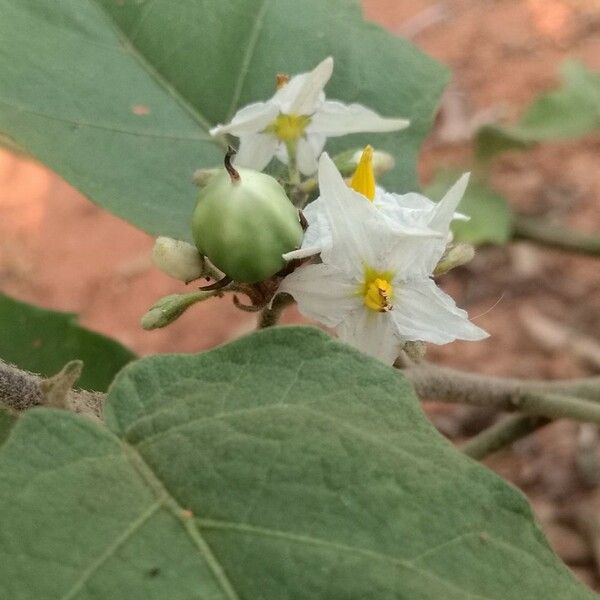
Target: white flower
(177, 259)
(374, 285)
(410, 213)
(299, 114)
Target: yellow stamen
(363, 180)
(377, 290)
(288, 128)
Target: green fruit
(244, 225)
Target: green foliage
(569, 112)
(118, 97)
(7, 420)
(490, 216)
(284, 465)
(43, 341)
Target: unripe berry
(244, 222)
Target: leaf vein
(133, 50)
(105, 126)
(244, 68)
(216, 524)
(110, 550)
(166, 499)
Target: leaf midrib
(216, 524)
(158, 77)
(170, 503)
(96, 564)
(247, 58)
(193, 526)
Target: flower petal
(334, 118)
(357, 229)
(255, 151)
(322, 293)
(250, 119)
(308, 151)
(424, 312)
(419, 258)
(317, 234)
(372, 333)
(444, 210)
(303, 93)
(403, 204)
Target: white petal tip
(325, 159)
(402, 123)
(301, 253)
(327, 63)
(463, 180)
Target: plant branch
(451, 385)
(502, 434)
(270, 315)
(541, 231)
(21, 390)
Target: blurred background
(541, 306)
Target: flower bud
(177, 259)
(383, 162)
(454, 256)
(347, 161)
(170, 308)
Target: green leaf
(43, 341)
(7, 420)
(76, 72)
(490, 215)
(284, 465)
(569, 112)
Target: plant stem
(558, 406)
(294, 174)
(269, 316)
(544, 232)
(502, 434)
(21, 390)
(451, 385)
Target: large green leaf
(7, 420)
(43, 341)
(118, 96)
(569, 112)
(284, 465)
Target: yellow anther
(288, 128)
(377, 290)
(363, 180)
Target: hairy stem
(451, 385)
(502, 434)
(541, 231)
(270, 315)
(21, 390)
